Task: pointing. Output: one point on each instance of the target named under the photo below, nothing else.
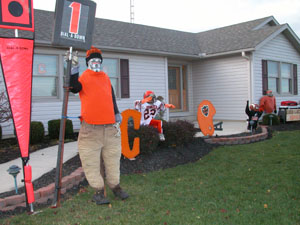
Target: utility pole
(131, 11)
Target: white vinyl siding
(280, 50)
(224, 82)
(145, 73)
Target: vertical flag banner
(16, 61)
(17, 14)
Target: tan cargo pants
(93, 141)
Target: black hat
(93, 53)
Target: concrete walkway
(45, 160)
(229, 127)
(41, 161)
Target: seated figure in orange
(268, 103)
(149, 107)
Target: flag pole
(56, 199)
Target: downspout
(250, 78)
(167, 88)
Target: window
(177, 79)
(273, 76)
(44, 83)
(279, 77)
(286, 78)
(109, 66)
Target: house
(227, 66)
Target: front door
(174, 86)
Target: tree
(5, 112)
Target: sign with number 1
(74, 23)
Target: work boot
(118, 192)
(99, 198)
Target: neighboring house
(227, 66)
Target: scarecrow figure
(268, 103)
(253, 113)
(149, 107)
(98, 137)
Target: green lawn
(244, 184)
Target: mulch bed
(161, 159)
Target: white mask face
(95, 64)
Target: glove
(74, 57)
(275, 111)
(75, 64)
(160, 98)
(170, 106)
(118, 118)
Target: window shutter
(264, 77)
(124, 64)
(295, 79)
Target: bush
(37, 132)
(275, 119)
(178, 133)
(54, 127)
(149, 138)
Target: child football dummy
(253, 113)
(149, 107)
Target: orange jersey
(96, 98)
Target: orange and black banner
(16, 56)
(17, 14)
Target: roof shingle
(115, 34)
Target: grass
(244, 184)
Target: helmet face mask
(95, 64)
(153, 98)
(150, 94)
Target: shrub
(178, 133)
(275, 119)
(54, 127)
(149, 138)
(37, 132)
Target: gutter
(126, 50)
(250, 76)
(204, 55)
(152, 52)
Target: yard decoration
(267, 103)
(254, 113)
(73, 27)
(205, 114)
(16, 61)
(136, 116)
(17, 14)
(149, 107)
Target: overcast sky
(193, 15)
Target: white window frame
(57, 80)
(117, 90)
(280, 78)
